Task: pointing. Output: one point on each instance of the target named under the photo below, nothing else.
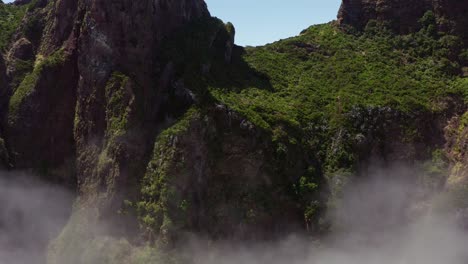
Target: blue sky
(259, 22)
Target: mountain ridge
(163, 126)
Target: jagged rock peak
(82, 43)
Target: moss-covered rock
(40, 117)
(213, 172)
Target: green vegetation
(10, 18)
(162, 206)
(435, 171)
(30, 81)
(22, 68)
(313, 99)
(117, 105)
(312, 83)
(317, 95)
(325, 70)
(463, 122)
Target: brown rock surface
(98, 39)
(22, 49)
(91, 105)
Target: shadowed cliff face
(403, 15)
(62, 99)
(87, 84)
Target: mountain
(162, 126)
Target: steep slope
(164, 127)
(10, 18)
(89, 86)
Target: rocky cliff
(91, 87)
(88, 84)
(162, 126)
(82, 45)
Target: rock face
(43, 104)
(91, 88)
(3, 108)
(403, 15)
(83, 44)
(97, 95)
(216, 176)
(456, 133)
(22, 50)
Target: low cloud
(386, 217)
(31, 213)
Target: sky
(259, 22)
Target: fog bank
(390, 216)
(31, 213)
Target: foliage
(463, 122)
(316, 78)
(22, 68)
(435, 170)
(307, 190)
(117, 103)
(161, 200)
(10, 18)
(320, 93)
(29, 82)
